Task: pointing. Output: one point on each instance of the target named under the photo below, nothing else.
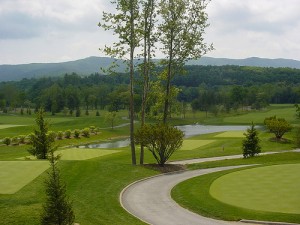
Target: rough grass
(193, 144)
(270, 188)
(15, 174)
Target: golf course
(95, 177)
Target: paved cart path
(150, 199)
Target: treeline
(207, 88)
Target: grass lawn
(231, 134)
(194, 194)
(271, 188)
(15, 174)
(193, 144)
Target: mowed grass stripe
(16, 174)
(193, 144)
(271, 188)
(83, 154)
(231, 134)
(4, 126)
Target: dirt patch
(165, 169)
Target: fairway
(4, 126)
(231, 134)
(16, 174)
(83, 153)
(271, 188)
(193, 144)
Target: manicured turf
(193, 144)
(231, 134)
(16, 174)
(271, 188)
(83, 154)
(4, 126)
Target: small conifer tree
(57, 209)
(251, 145)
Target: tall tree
(149, 39)
(181, 34)
(125, 24)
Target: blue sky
(62, 30)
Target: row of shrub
(68, 134)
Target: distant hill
(93, 64)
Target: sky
(33, 31)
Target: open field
(102, 177)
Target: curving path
(150, 199)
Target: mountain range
(94, 64)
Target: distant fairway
(4, 126)
(193, 144)
(231, 134)
(16, 174)
(83, 153)
(271, 188)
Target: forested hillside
(207, 88)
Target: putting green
(83, 153)
(271, 188)
(16, 174)
(193, 144)
(231, 134)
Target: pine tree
(251, 145)
(57, 209)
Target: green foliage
(22, 139)
(15, 140)
(86, 132)
(6, 141)
(57, 209)
(162, 140)
(278, 126)
(251, 145)
(60, 135)
(68, 134)
(78, 112)
(110, 118)
(52, 135)
(97, 113)
(40, 141)
(76, 133)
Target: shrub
(278, 126)
(162, 140)
(68, 134)
(6, 141)
(60, 135)
(76, 133)
(15, 141)
(86, 112)
(77, 114)
(29, 138)
(52, 136)
(97, 113)
(22, 139)
(86, 132)
(92, 129)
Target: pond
(189, 131)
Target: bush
(68, 134)
(22, 139)
(86, 112)
(92, 129)
(86, 132)
(52, 136)
(15, 141)
(278, 126)
(78, 112)
(161, 140)
(76, 133)
(97, 113)
(29, 138)
(6, 141)
(60, 135)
